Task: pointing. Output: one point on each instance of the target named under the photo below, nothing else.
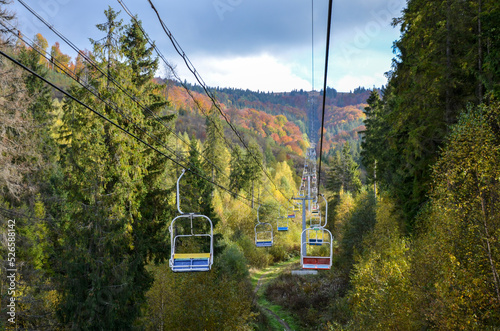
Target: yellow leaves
(454, 260)
(39, 207)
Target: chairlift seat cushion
(322, 263)
(191, 262)
(282, 228)
(264, 243)
(191, 255)
(315, 242)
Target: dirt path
(285, 324)
(263, 279)
(259, 283)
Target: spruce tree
(107, 236)
(345, 172)
(236, 177)
(216, 156)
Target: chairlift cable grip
(178, 195)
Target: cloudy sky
(261, 45)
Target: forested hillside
(430, 256)
(92, 149)
(258, 112)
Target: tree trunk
(488, 248)
(479, 55)
(448, 65)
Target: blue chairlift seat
(315, 241)
(315, 236)
(191, 262)
(282, 224)
(266, 243)
(263, 235)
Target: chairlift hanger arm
(326, 208)
(178, 194)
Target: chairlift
(315, 221)
(282, 223)
(191, 260)
(314, 208)
(311, 259)
(263, 233)
(315, 238)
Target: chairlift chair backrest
(190, 261)
(263, 233)
(316, 262)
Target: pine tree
(134, 46)
(27, 160)
(345, 172)
(154, 206)
(106, 239)
(5, 15)
(252, 163)
(215, 154)
(197, 194)
(435, 75)
(236, 177)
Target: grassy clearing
(266, 276)
(282, 313)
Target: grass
(282, 313)
(268, 275)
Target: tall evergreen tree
(154, 204)
(489, 44)
(112, 184)
(197, 194)
(437, 72)
(345, 172)
(139, 55)
(215, 153)
(253, 161)
(236, 177)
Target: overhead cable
(324, 87)
(70, 96)
(199, 79)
